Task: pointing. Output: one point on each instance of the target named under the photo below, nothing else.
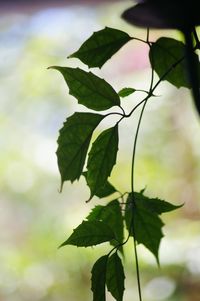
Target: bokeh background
(34, 217)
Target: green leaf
(164, 54)
(111, 215)
(98, 279)
(156, 205)
(126, 92)
(105, 190)
(90, 233)
(115, 277)
(96, 213)
(73, 143)
(101, 160)
(90, 90)
(99, 48)
(144, 212)
(148, 228)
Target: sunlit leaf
(164, 54)
(98, 279)
(102, 158)
(90, 90)
(115, 277)
(90, 233)
(144, 213)
(99, 48)
(126, 92)
(73, 144)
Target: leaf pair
(108, 271)
(90, 90)
(73, 143)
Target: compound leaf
(115, 277)
(164, 54)
(73, 143)
(101, 160)
(99, 48)
(90, 233)
(90, 90)
(98, 279)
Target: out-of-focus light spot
(169, 253)
(38, 278)
(44, 156)
(56, 21)
(19, 178)
(159, 288)
(193, 259)
(9, 281)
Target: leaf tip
(54, 67)
(51, 67)
(61, 187)
(61, 245)
(87, 201)
(70, 56)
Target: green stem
(132, 180)
(132, 192)
(137, 269)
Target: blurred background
(34, 217)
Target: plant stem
(137, 270)
(132, 179)
(134, 146)
(132, 192)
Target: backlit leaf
(156, 205)
(73, 144)
(115, 277)
(102, 158)
(90, 233)
(126, 92)
(99, 48)
(105, 190)
(98, 279)
(164, 54)
(144, 213)
(90, 90)
(110, 214)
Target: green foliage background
(35, 218)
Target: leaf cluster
(136, 214)
(140, 216)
